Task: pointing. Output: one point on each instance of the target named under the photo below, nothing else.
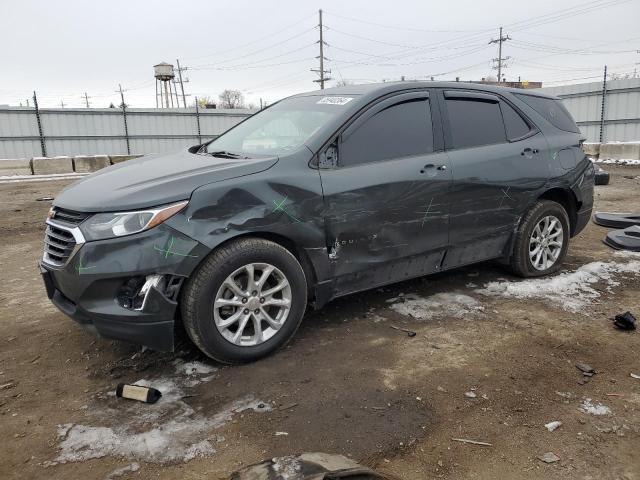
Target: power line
(253, 42)
(257, 51)
(397, 27)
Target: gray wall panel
(101, 131)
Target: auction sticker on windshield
(335, 100)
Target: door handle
(529, 151)
(431, 165)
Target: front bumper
(88, 288)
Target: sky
(266, 48)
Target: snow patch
(118, 472)
(594, 409)
(571, 291)
(167, 431)
(445, 304)
(165, 441)
(618, 161)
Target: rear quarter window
(552, 110)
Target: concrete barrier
(47, 166)
(591, 149)
(122, 158)
(20, 166)
(87, 164)
(622, 150)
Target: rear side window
(400, 130)
(514, 124)
(475, 122)
(552, 110)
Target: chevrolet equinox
(320, 195)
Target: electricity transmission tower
(500, 60)
(321, 71)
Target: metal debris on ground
(549, 457)
(625, 321)
(308, 466)
(410, 333)
(633, 375)
(44, 199)
(584, 368)
(472, 442)
(470, 394)
(138, 392)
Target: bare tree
(231, 99)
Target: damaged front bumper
(126, 288)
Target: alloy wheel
(252, 304)
(545, 243)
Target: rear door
(387, 211)
(499, 165)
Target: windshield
(279, 129)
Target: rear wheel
(542, 240)
(245, 301)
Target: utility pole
(321, 71)
(604, 97)
(500, 40)
(124, 118)
(184, 100)
(43, 145)
(61, 103)
(86, 99)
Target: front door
(386, 197)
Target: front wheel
(245, 301)
(542, 240)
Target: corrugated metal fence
(621, 108)
(91, 131)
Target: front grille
(68, 217)
(62, 236)
(58, 245)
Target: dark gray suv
(320, 195)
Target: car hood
(153, 180)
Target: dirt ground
(348, 383)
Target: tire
(602, 178)
(210, 323)
(521, 262)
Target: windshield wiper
(223, 154)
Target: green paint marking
(80, 268)
(169, 250)
(280, 207)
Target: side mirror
(329, 158)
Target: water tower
(164, 79)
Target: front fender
(285, 201)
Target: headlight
(109, 225)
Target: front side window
(400, 130)
(475, 122)
(279, 129)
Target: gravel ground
(493, 361)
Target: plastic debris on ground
(625, 321)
